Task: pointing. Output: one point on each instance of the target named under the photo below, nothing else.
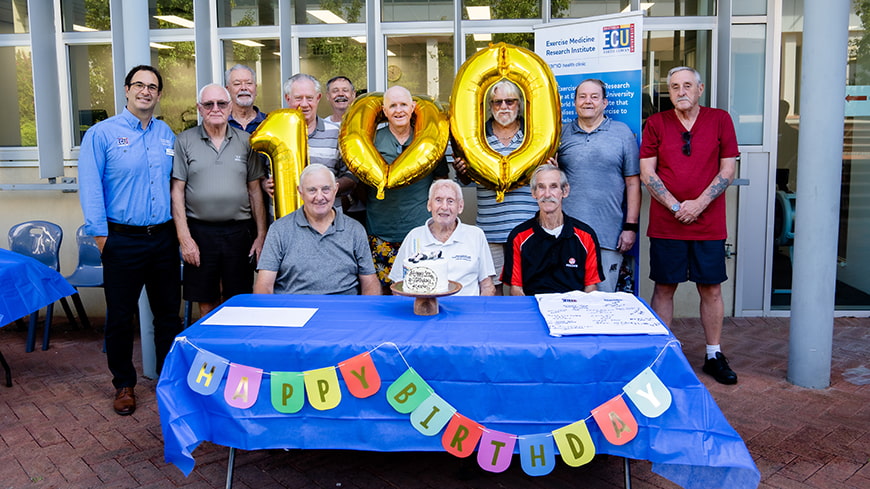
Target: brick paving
(58, 430)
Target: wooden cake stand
(426, 304)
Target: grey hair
(443, 182)
(314, 167)
(683, 68)
(288, 85)
(226, 92)
(512, 89)
(239, 67)
(563, 180)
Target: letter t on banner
(495, 451)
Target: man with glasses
(124, 167)
(217, 204)
(687, 161)
(504, 134)
(242, 85)
(600, 158)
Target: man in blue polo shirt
(124, 169)
(552, 252)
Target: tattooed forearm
(656, 186)
(716, 189)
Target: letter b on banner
(408, 392)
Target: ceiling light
(482, 37)
(360, 39)
(81, 28)
(643, 6)
(326, 16)
(249, 43)
(478, 13)
(157, 45)
(174, 19)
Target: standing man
(551, 252)
(242, 85)
(124, 168)
(504, 134)
(600, 158)
(688, 158)
(340, 93)
(217, 204)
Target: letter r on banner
(649, 394)
(408, 392)
(537, 454)
(206, 373)
(243, 386)
(322, 388)
(495, 451)
(461, 436)
(575, 444)
(616, 421)
(360, 375)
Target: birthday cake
(425, 274)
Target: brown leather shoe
(125, 401)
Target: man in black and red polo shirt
(552, 252)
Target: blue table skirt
(490, 358)
(26, 285)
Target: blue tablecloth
(490, 358)
(26, 285)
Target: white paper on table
(606, 313)
(292, 317)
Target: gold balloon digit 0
(468, 115)
(356, 142)
(283, 137)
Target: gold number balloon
(283, 137)
(468, 115)
(356, 141)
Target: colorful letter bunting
(430, 414)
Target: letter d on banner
(206, 373)
(575, 444)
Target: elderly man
(600, 158)
(217, 204)
(552, 252)
(687, 160)
(340, 93)
(124, 167)
(504, 134)
(390, 219)
(316, 249)
(241, 81)
(463, 246)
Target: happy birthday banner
(428, 412)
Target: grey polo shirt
(308, 262)
(216, 180)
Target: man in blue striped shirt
(125, 164)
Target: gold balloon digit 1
(283, 137)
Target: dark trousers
(129, 262)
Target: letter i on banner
(649, 394)
(495, 451)
(288, 391)
(537, 454)
(322, 388)
(206, 373)
(360, 375)
(408, 392)
(461, 436)
(432, 415)
(616, 421)
(243, 386)
(575, 444)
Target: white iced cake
(425, 274)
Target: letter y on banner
(649, 394)
(360, 375)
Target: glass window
(748, 7)
(476, 42)
(577, 9)
(501, 9)
(91, 87)
(679, 8)
(261, 56)
(324, 58)
(85, 15)
(329, 12)
(422, 64)
(13, 17)
(747, 82)
(394, 10)
(664, 50)
(177, 65)
(232, 13)
(170, 14)
(18, 126)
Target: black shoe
(718, 369)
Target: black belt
(148, 230)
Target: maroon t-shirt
(686, 177)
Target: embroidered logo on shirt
(123, 141)
(240, 158)
(462, 258)
(572, 263)
(170, 152)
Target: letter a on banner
(495, 451)
(408, 392)
(575, 444)
(288, 391)
(360, 375)
(537, 454)
(616, 421)
(461, 436)
(432, 415)
(206, 373)
(649, 394)
(243, 386)
(322, 388)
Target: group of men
(146, 195)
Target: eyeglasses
(687, 143)
(222, 104)
(139, 86)
(510, 102)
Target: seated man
(468, 259)
(552, 252)
(316, 249)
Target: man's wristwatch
(630, 226)
(675, 208)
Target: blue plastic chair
(40, 240)
(88, 272)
